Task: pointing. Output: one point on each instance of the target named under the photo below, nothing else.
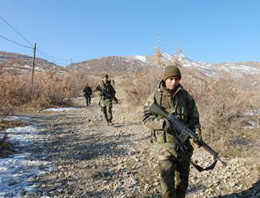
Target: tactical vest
(176, 103)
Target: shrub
(221, 102)
(6, 146)
(141, 85)
(48, 89)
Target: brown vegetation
(6, 146)
(221, 102)
(141, 84)
(48, 89)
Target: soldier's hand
(166, 127)
(198, 133)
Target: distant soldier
(173, 98)
(107, 94)
(87, 94)
(113, 82)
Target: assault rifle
(108, 95)
(184, 133)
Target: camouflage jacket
(180, 103)
(87, 91)
(109, 89)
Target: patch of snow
(167, 57)
(252, 123)
(79, 98)
(11, 118)
(61, 109)
(39, 69)
(252, 112)
(17, 172)
(27, 66)
(9, 68)
(240, 68)
(22, 135)
(141, 58)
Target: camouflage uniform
(174, 168)
(105, 102)
(87, 94)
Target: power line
(22, 45)
(47, 56)
(16, 31)
(15, 42)
(43, 52)
(38, 50)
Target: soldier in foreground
(87, 94)
(172, 98)
(107, 93)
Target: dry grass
(221, 102)
(49, 89)
(140, 85)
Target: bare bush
(76, 81)
(221, 102)
(49, 89)
(13, 92)
(6, 147)
(141, 85)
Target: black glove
(198, 133)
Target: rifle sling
(196, 166)
(200, 169)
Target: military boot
(110, 122)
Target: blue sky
(206, 30)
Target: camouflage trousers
(106, 108)
(88, 100)
(174, 170)
(107, 111)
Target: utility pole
(34, 52)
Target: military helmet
(170, 71)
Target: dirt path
(96, 160)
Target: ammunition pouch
(162, 137)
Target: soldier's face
(105, 79)
(172, 82)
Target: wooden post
(34, 52)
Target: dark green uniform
(87, 94)
(174, 168)
(105, 101)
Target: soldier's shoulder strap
(159, 92)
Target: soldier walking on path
(107, 93)
(173, 98)
(87, 94)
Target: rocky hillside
(244, 73)
(133, 63)
(236, 69)
(20, 64)
(109, 64)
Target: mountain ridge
(19, 64)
